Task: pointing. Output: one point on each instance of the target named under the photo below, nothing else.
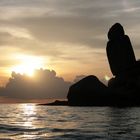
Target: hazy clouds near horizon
(70, 36)
(44, 85)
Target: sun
(28, 64)
(107, 78)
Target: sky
(67, 36)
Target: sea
(32, 122)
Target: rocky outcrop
(122, 62)
(120, 53)
(88, 91)
(91, 92)
(123, 89)
(130, 81)
(56, 103)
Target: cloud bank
(70, 34)
(44, 85)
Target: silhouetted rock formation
(56, 103)
(122, 59)
(119, 50)
(87, 91)
(123, 89)
(130, 81)
(91, 92)
(126, 83)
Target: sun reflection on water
(28, 114)
(29, 109)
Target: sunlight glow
(28, 65)
(107, 78)
(28, 109)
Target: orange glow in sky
(28, 64)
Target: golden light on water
(28, 64)
(28, 111)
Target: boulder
(120, 53)
(88, 91)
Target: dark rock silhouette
(126, 83)
(119, 50)
(86, 92)
(123, 89)
(91, 92)
(57, 102)
(122, 60)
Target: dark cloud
(45, 85)
(78, 22)
(76, 30)
(5, 37)
(21, 3)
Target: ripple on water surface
(28, 121)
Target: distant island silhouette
(123, 89)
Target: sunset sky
(68, 36)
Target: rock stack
(123, 89)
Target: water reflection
(122, 123)
(28, 121)
(29, 109)
(28, 113)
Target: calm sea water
(28, 121)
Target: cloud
(71, 34)
(75, 30)
(45, 84)
(80, 22)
